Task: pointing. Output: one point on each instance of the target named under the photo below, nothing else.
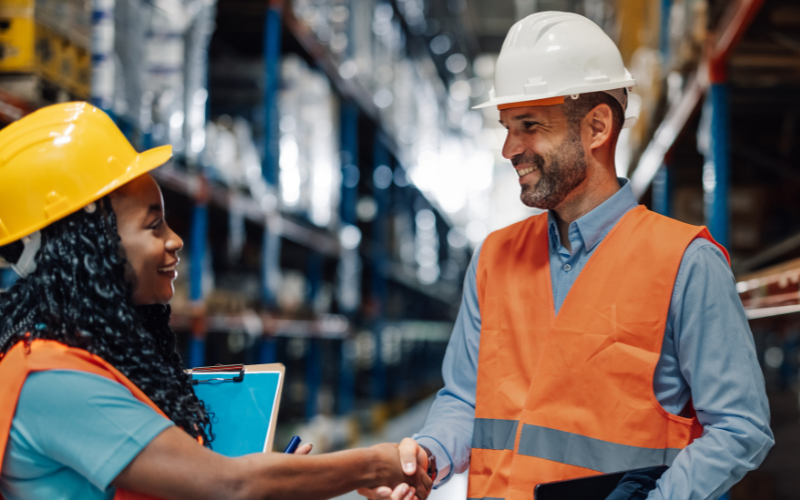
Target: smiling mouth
(525, 171)
(168, 269)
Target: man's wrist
(433, 471)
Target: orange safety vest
(567, 396)
(19, 361)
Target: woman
(94, 402)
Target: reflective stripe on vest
(589, 453)
(494, 434)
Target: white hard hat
(550, 55)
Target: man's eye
(529, 125)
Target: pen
(293, 444)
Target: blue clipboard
(244, 400)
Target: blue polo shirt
(72, 434)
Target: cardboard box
(17, 35)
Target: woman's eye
(157, 224)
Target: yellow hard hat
(59, 159)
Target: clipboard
(244, 401)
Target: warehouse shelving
(711, 69)
(772, 291)
(196, 201)
(191, 185)
(764, 293)
(369, 146)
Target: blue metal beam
(662, 191)
(266, 353)
(313, 376)
(270, 265)
(197, 251)
(666, 8)
(350, 170)
(346, 377)
(716, 171)
(379, 284)
(272, 67)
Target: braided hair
(79, 295)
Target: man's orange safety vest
(568, 396)
(42, 355)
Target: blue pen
(293, 444)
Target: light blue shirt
(708, 355)
(72, 434)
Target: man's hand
(414, 463)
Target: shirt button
(567, 267)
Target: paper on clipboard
(244, 401)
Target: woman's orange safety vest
(20, 361)
(567, 396)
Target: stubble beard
(565, 171)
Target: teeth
(166, 269)
(525, 171)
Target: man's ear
(601, 123)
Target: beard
(565, 171)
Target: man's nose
(512, 147)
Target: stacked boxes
(50, 39)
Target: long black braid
(79, 295)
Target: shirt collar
(595, 225)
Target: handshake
(401, 472)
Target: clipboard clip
(219, 369)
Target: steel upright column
(666, 9)
(272, 78)
(350, 170)
(270, 269)
(102, 93)
(198, 237)
(313, 376)
(716, 171)
(662, 191)
(346, 397)
(379, 286)
(271, 243)
(349, 257)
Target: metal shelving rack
(709, 81)
(356, 106)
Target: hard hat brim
(584, 89)
(142, 163)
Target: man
(598, 337)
